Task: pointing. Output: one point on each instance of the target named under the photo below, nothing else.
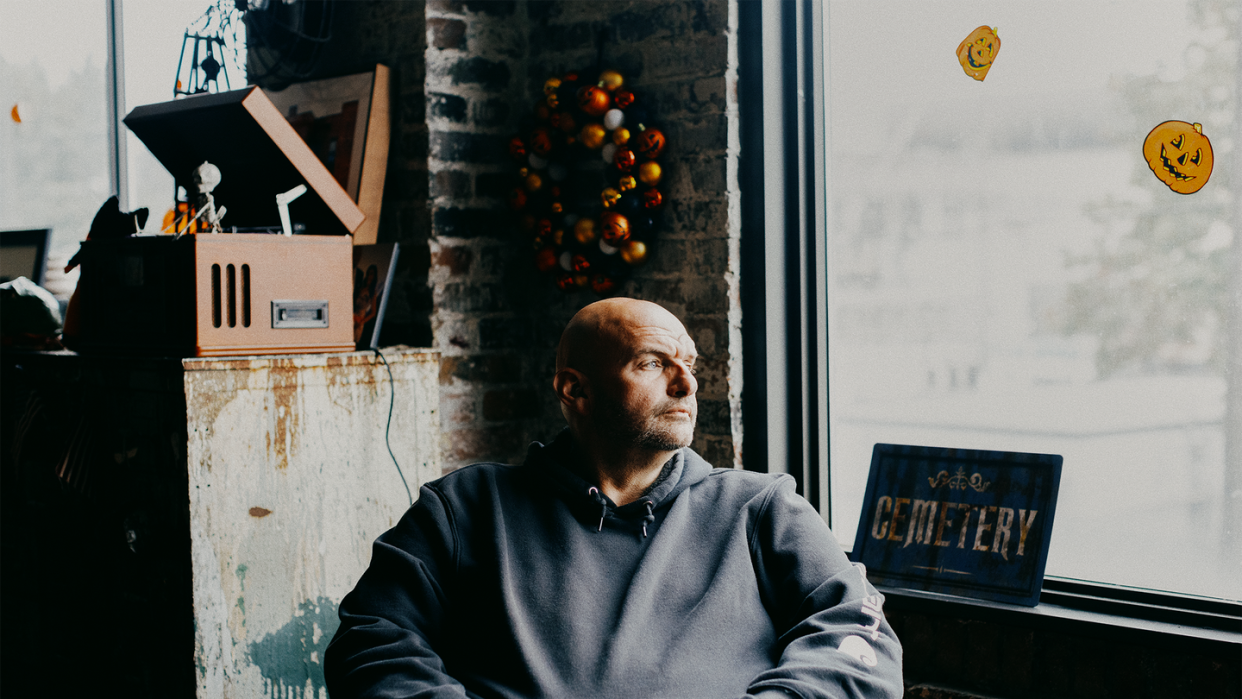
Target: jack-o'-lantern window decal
(977, 52)
(587, 175)
(1179, 155)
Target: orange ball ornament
(634, 252)
(616, 228)
(534, 182)
(541, 141)
(593, 100)
(603, 284)
(592, 135)
(649, 143)
(517, 147)
(581, 263)
(565, 281)
(627, 183)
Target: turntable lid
(258, 153)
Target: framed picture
(24, 254)
(965, 522)
(373, 271)
(345, 121)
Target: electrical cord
(392, 396)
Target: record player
(228, 293)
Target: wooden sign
(959, 521)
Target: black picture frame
(23, 253)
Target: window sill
(1089, 609)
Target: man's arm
(392, 622)
(831, 632)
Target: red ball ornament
(563, 121)
(565, 281)
(593, 100)
(545, 259)
(543, 229)
(649, 143)
(581, 263)
(624, 159)
(517, 199)
(622, 98)
(541, 141)
(517, 148)
(603, 284)
(616, 228)
(652, 199)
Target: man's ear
(572, 390)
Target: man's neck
(624, 474)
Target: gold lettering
(922, 517)
(898, 518)
(1004, 520)
(882, 507)
(945, 518)
(970, 509)
(983, 527)
(1024, 523)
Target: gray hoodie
(525, 581)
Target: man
(614, 562)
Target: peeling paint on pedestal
(290, 483)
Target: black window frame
(781, 175)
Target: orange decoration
(610, 80)
(609, 197)
(517, 148)
(593, 100)
(623, 98)
(533, 182)
(603, 284)
(620, 136)
(545, 259)
(541, 141)
(977, 51)
(652, 199)
(616, 228)
(584, 230)
(517, 199)
(649, 143)
(1179, 155)
(565, 281)
(624, 159)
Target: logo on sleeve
(858, 649)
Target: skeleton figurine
(206, 177)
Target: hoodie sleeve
(832, 637)
(391, 623)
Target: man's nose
(684, 384)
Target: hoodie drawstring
(603, 505)
(649, 517)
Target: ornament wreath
(586, 191)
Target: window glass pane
(154, 33)
(1006, 272)
(54, 161)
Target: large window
(1006, 272)
(54, 162)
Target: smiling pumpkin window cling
(978, 50)
(1179, 155)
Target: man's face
(645, 389)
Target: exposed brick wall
(496, 320)
(465, 74)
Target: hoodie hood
(562, 465)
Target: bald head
(605, 328)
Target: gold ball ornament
(592, 135)
(610, 80)
(550, 85)
(534, 182)
(609, 197)
(634, 252)
(626, 183)
(621, 136)
(649, 173)
(584, 230)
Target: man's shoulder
(746, 483)
(472, 479)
